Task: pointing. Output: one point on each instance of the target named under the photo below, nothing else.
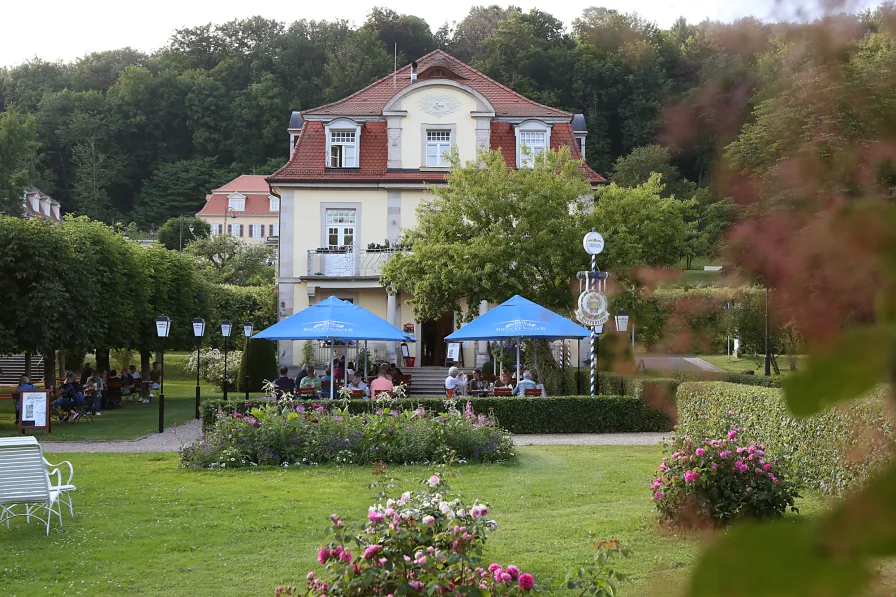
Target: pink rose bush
(715, 481)
(426, 542)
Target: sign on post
(35, 413)
(453, 352)
(593, 243)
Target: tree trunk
(28, 364)
(103, 363)
(145, 356)
(49, 368)
(61, 370)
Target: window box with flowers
(408, 328)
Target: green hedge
(738, 378)
(567, 414)
(834, 451)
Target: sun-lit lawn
(756, 363)
(131, 421)
(145, 527)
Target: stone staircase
(429, 381)
(12, 367)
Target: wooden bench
(27, 486)
(502, 392)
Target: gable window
(46, 208)
(438, 148)
(256, 230)
(35, 205)
(438, 73)
(236, 203)
(275, 204)
(343, 149)
(531, 145)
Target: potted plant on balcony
(379, 248)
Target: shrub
(211, 366)
(259, 363)
(717, 481)
(286, 433)
(651, 410)
(424, 542)
(739, 378)
(833, 451)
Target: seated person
(24, 385)
(374, 370)
(301, 375)
(284, 383)
(503, 381)
(127, 383)
(72, 398)
(339, 368)
(381, 384)
(113, 390)
(326, 376)
(455, 380)
(477, 385)
(357, 383)
(155, 378)
(95, 387)
(138, 384)
(350, 369)
(525, 384)
(395, 370)
(311, 380)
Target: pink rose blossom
(658, 495)
(513, 571)
(527, 581)
(434, 481)
(714, 466)
(766, 467)
(732, 434)
(700, 451)
(428, 520)
(690, 476)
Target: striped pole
(593, 334)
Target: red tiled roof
(246, 183)
(371, 100)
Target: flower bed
(715, 481)
(833, 451)
(286, 433)
(561, 414)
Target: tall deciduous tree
(178, 188)
(228, 260)
(18, 151)
(179, 232)
(492, 232)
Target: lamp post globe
(198, 332)
(621, 320)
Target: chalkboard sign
(453, 352)
(35, 411)
(404, 350)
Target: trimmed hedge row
(738, 378)
(566, 414)
(834, 451)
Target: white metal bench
(26, 481)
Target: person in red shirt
(381, 384)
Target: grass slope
(145, 527)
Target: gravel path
(173, 439)
(170, 441)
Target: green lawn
(755, 363)
(145, 527)
(131, 421)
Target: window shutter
(241, 230)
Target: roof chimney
(414, 72)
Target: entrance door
(341, 236)
(432, 336)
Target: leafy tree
(641, 227)
(355, 63)
(178, 232)
(18, 147)
(228, 260)
(637, 167)
(492, 232)
(178, 188)
(476, 27)
(412, 34)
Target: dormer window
(275, 203)
(236, 203)
(343, 141)
(533, 138)
(437, 73)
(35, 204)
(46, 208)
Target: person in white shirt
(138, 384)
(525, 384)
(454, 380)
(357, 383)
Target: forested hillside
(144, 137)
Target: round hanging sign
(593, 243)
(592, 308)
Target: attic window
(438, 73)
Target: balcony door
(341, 239)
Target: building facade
(244, 208)
(40, 205)
(360, 167)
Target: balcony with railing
(348, 262)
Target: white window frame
(216, 229)
(46, 208)
(236, 202)
(274, 203)
(235, 230)
(344, 125)
(35, 204)
(441, 146)
(531, 126)
(274, 230)
(253, 228)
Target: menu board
(453, 352)
(35, 413)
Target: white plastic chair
(25, 480)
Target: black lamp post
(768, 356)
(225, 331)
(163, 326)
(247, 332)
(621, 326)
(199, 332)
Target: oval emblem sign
(592, 309)
(593, 243)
